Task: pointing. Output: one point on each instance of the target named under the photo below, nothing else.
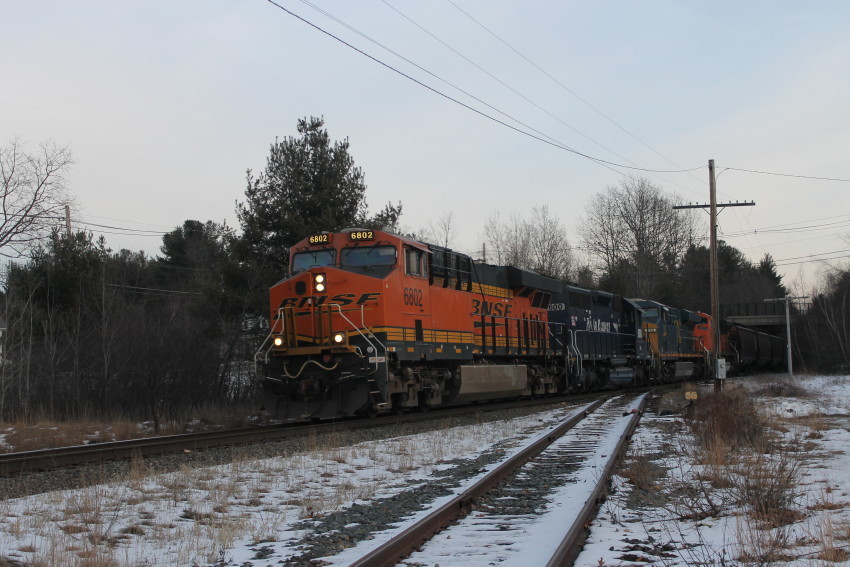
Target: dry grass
(737, 463)
(640, 471)
(195, 513)
(728, 418)
(782, 390)
(743, 459)
(40, 432)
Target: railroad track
(507, 516)
(47, 459)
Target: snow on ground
(693, 526)
(224, 515)
(221, 514)
(540, 535)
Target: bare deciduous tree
(507, 240)
(550, 249)
(634, 224)
(33, 194)
(441, 232)
(539, 243)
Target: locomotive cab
(322, 358)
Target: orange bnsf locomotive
(371, 321)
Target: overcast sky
(165, 105)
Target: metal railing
(289, 331)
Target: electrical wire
(788, 175)
(824, 260)
(604, 163)
(843, 251)
(810, 228)
(569, 90)
(132, 231)
(152, 290)
(427, 71)
(501, 82)
(127, 221)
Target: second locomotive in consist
(370, 321)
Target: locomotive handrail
(555, 336)
(371, 334)
(260, 350)
(535, 341)
(365, 338)
(263, 344)
(579, 357)
(655, 351)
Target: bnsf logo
(341, 299)
(484, 307)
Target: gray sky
(166, 104)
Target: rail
(46, 459)
(571, 545)
(412, 537)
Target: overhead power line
(562, 85)
(134, 231)
(844, 251)
(152, 290)
(791, 229)
(813, 260)
(128, 221)
(501, 82)
(558, 145)
(788, 175)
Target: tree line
(93, 332)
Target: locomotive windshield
(650, 313)
(312, 259)
(368, 256)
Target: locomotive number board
(362, 235)
(319, 239)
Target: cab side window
(414, 261)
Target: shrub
(727, 417)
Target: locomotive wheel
(586, 381)
(397, 401)
(424, 400)
(369, 410)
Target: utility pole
(715, 288)
(68, 221)
(713, 268)
(787, 299)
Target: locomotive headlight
(319, 283)
(278, 341)
(339, 337)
